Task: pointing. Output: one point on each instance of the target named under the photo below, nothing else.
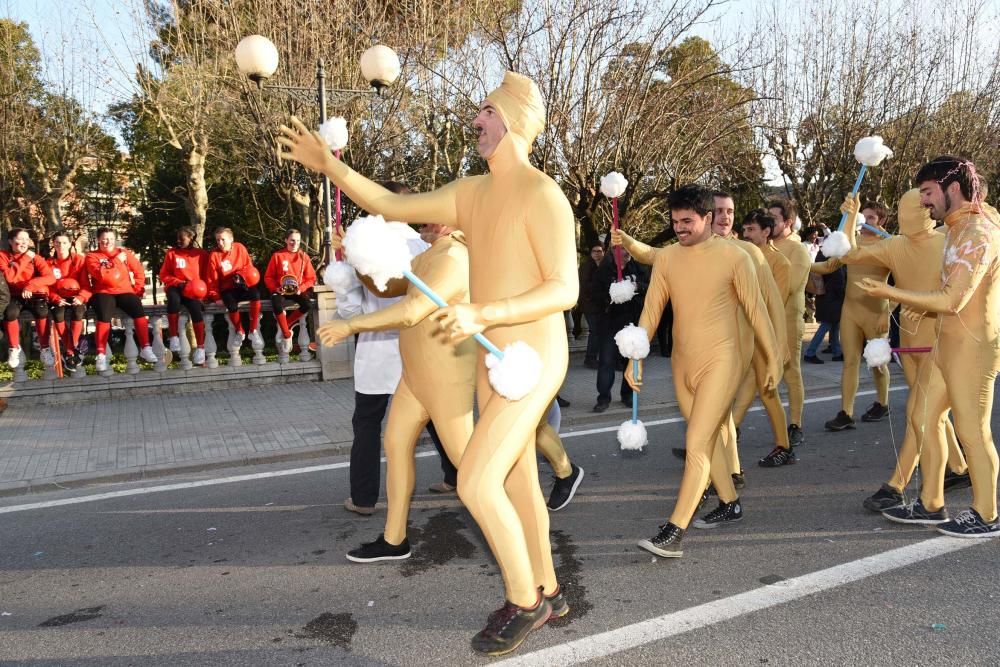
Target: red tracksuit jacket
(182, 265)
(25, 271)
(120, 272)
(73, 267)
(222, 266)
(284, 263)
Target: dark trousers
(894, 327)
(447, 467)
(609, 362)
(366, 450)
(595, 325)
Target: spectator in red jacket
(68, 265)
(117, 279)
(185, 262)
(29, 278)
(232, 278)
(290, 275)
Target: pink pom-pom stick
(618, 248)
(337, 213)
(909, 350)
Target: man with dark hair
(790, 245)
(709, 280)
(967, 350)
(723, 215)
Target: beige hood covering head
(913, 218)
(520, 105)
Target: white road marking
(655, 629)
(234, 479)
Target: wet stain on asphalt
(568, 575)
(438, 542)
(77, 616)
(336, 629)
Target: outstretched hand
(299, 144)
(460, 321)
(875, 288)
(333, 332)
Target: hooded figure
(928, 435)
(519, 231)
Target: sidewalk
(126, 440)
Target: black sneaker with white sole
(667, 543)
(954, 480)
(883, 499)
(739, 480)
(970, 524)
(371, 552)
(565, 488)
(557, 601)
(779, 456)
(723, 514)
(509, 625)
(876, 413)
(840, 422)
(795, 437)
(916, 513)
(680, 453)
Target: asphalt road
(252, 572)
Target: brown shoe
(363, 511)
(441, 487)
(3, 405)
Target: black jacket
(586, 274)
(617, 315)
(828, 305)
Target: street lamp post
(257, 58)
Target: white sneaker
(284, 344)
(101, 363)
(147, 354)
(256, 340)
(175, 343)
(236, 340)
(198, 358)
(14, 358)
(48, 358)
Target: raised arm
(642, 253)
(826, 267)
(309, 149)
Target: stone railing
(332, 362)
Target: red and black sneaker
(779, 456)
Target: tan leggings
(753, 385)
(793, 369)
(706, 406)
(853, 335)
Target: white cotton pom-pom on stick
(632, 435)
(514, 376)
(622, 291)
(613, 185)
(836, 245)
(334, 132)
(376, 250)
(339, 276)
(870, 151)
(633, 342)
(878, 352)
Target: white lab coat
(377, 364)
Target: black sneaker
(680, 453)
(565, 488)
(667, 543)
(601, 406)
(563, 403)
(795, 437)
(840, 422)
(954, 480)
(779, 456)
(916, 513)
(723, 514)
(737, 435)
(876, 413)
(508, 626)
(837, 357)
(971, 525)
(810, 359)
(558, 603)
(883, 499)
(69, 362)
(739, 480)
(371, 552)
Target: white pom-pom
(870, 151)
(613, 185)
(339, 276)
(376, 250)
(836, 245)
(797, 225)
(334, 132)
(633, 342)
(622, 292)
(632, 436)
(517, 373)
(878, 352)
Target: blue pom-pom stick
(857, 186)
(438, 301)
(635, 394)
(881, 232)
